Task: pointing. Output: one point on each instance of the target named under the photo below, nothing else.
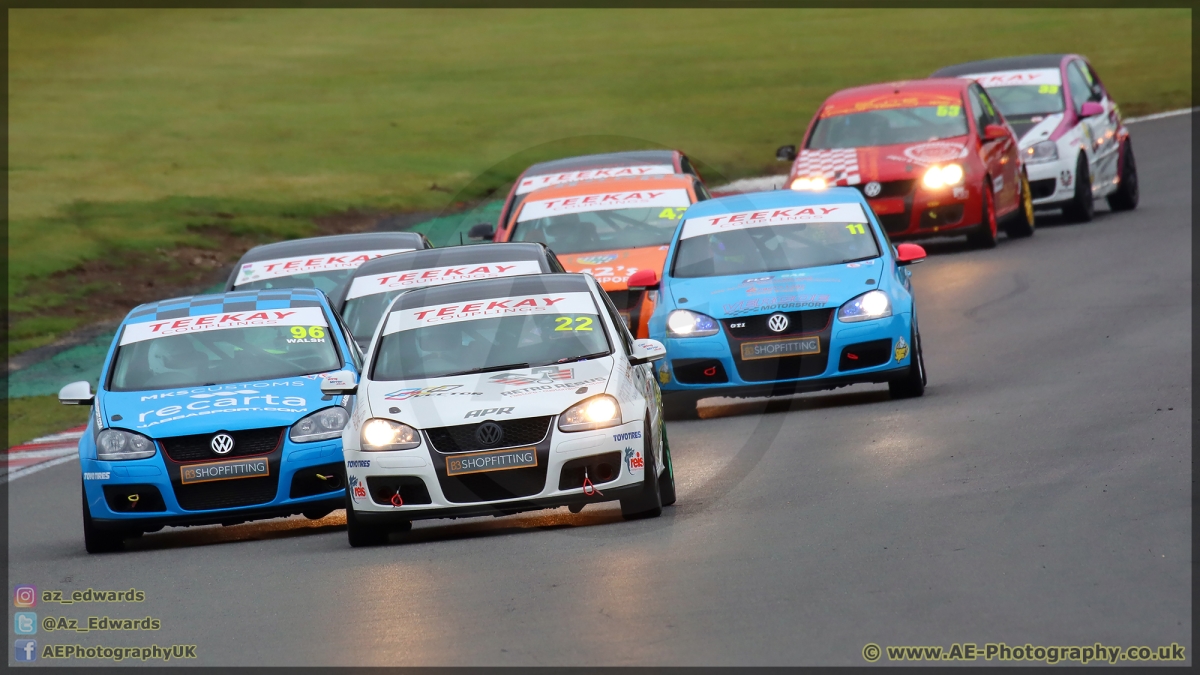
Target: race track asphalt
(1039, 493)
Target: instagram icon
(25, 596)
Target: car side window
(1094, 83)
(356, 354)
(615, 317)
(685, 166)
(1081, 91)
(977, 110)
(701, 191)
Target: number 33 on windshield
(577, 323)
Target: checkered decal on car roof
(234, 301)
(838, 167)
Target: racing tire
(666, 482)
(912, 384)
(1021, 223)
(1081, 208)
(680, 406)
(648, 503)
(1126, 196)
(985, 235)
(95, 538)
(360, 534)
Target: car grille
(891, 188)
(816, 322)
(224, 494)
(1040, 189)
(461, 438)
(245, 443)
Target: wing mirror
(786, 153)
(645, 351)
(909, 254)
(339, 383)
(642, 280)
(994, 132)
(481, 231)
(1091, 109)
(76, 393)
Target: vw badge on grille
(222, 444)
(872, 189)
(489, 434)
(778, 323)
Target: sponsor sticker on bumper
(476, 462)
(243, 468)
(773, 349)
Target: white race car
(503, 395)
(1075, 147)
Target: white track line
(21, 473)
(1159, 116)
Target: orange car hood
(612, 268)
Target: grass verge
(29, 418)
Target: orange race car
(610, 228)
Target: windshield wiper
(850, 260)
(488, 369)
(585, 357)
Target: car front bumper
(148, 493)
(416, 484)
(1052, 183)
(867, 342)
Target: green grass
(36, 416)
(127, 129)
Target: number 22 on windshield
(577, 323)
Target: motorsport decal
(634, 459)
(436, 276)
(889, 102)
(326, 262)
(604, 201)
(297, 316)
(1011, 78)
(531, 183)
(539, 375)
(489, 411)
(433, 315)
(358, 488)
(426, 392)
(782, 302)
(596, 259)
(627, 436)
(901, 350)
(931, 153)
(824, 213)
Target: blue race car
(209, 410)
(780, 292)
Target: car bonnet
(779, 291)
(467, 399)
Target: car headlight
(320, 426)
(941, 176)
(869, 305)
(1045, 151)
(817, 183)
(117, 444)
(685, 323)
(379, 434)
(596, 412)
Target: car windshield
(602, 230)
(362, 314)
(773, 248)
(1027, 100)
(888, 127)
(223, 356)
(329, 282)
(490, 344)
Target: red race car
(933, 158)
(630, 164)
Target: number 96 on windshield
(307, 334)
(575, 323)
